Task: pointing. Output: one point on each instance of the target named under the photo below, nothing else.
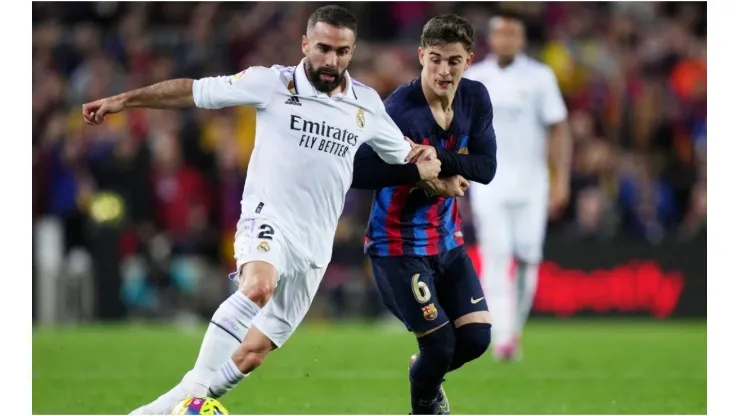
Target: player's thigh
(493, 231)
(408, 289)
(259, 240)
(260, 254)
(530, 222)
(289, 305)
(460, 291)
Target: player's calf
(253, 351)
(436, 352)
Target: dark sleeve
(479, 165)
(371, 172)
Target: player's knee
(439, 345)
(473, 340)
(260, 293)
(258, 281)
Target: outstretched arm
(253, 87)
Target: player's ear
(421, 56)
(469, 60)
(304, 44)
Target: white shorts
(511, 229)
(259, 239)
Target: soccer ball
(200, 406)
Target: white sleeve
(551, 105)
(252, 87)
(387, 139)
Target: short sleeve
(552, 108)
(253, 87)
(387, 139)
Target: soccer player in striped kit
(414, 236)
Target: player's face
(506, 38)
(328, 51)
(443, 67)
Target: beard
(314, 75)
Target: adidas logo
(293, 101)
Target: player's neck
(340, 88)
(505, 61)
(438, 102)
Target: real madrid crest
(291, 87)
(360, 118)
(263, 247)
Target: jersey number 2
(266, 232)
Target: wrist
(124, 99)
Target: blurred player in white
(511, 212)
(311, 119)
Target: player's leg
(407, 286)
(494, 234)
(259, 255)
(530, 227)
(271, 328)
(461, 296)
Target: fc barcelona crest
(360, 118)
(430, 312)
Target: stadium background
(133, 220)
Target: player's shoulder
(367, 95)
(471, 86)
(536, 68)
(474, 93)
(402, 98)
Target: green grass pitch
(569, 367)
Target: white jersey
(526, 100)
(305, 144)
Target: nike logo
(474, 301)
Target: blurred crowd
(633, 75)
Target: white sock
(225, 380)
(500, 293)
(527, 277)
(224, 335)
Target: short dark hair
(508, 15)
(334, 15)
(447, 29)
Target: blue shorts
(424, 292)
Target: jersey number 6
(420, 289)
(266, 232)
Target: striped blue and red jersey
(404, 221)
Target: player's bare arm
(560, 153)
(171, 94)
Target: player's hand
(95, 112)
(447, 187)
(429, 169)
(559, 196)
(420, 152)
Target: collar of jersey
(305, 88)
(518, 60)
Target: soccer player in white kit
(510, 213)
(311, 119)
